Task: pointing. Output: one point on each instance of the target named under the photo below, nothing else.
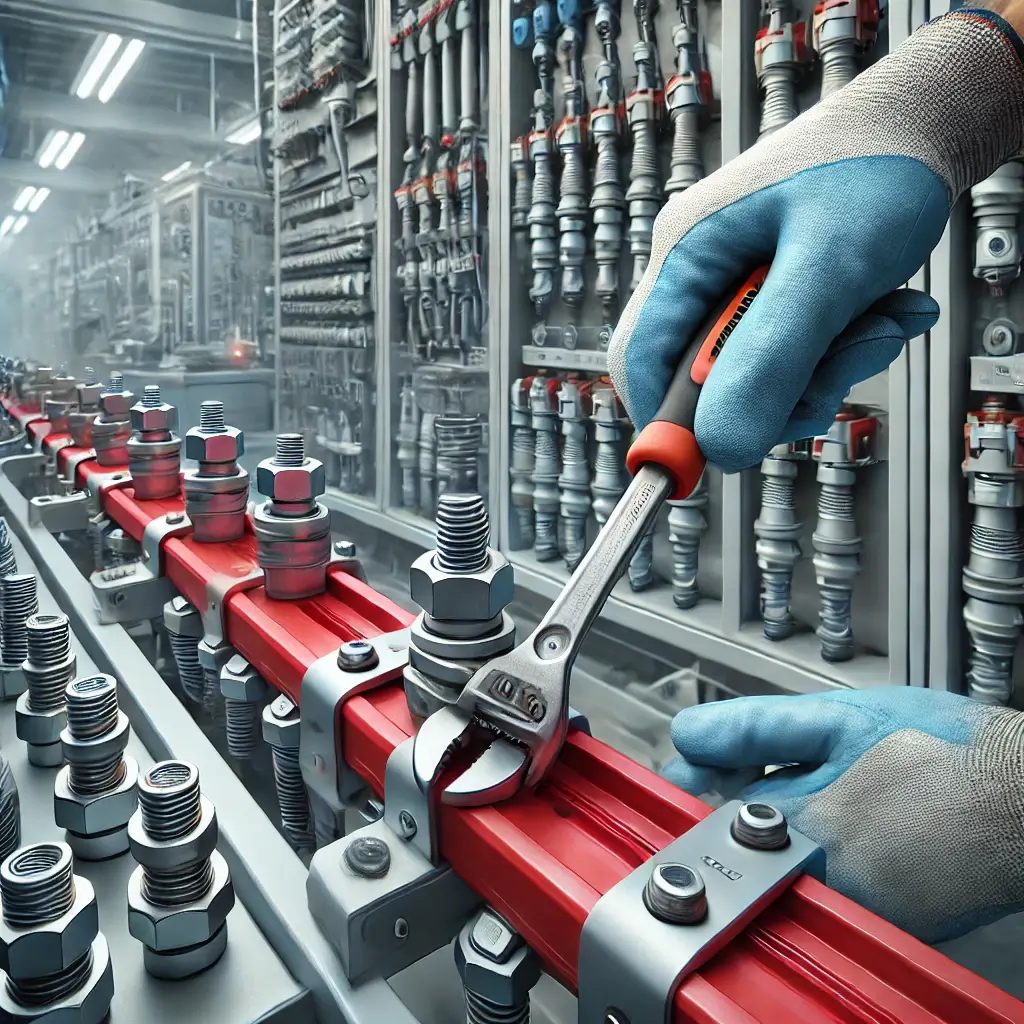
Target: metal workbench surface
(247, 985)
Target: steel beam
(151, 20)
(72, 179)
(63, 111)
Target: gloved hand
(846, 202)
(916, 796)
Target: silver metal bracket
(64, 513)
(381, 925)
(130, 593)
(631, 962)
(99, 483)
(349, 564)
(174, 524)
(410, 812)
(37, 441)
(325, 688)
(74, 461)
(218, 589)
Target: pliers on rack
(522, 698)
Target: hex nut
(168, 928)
(463, 597)
(224, 446)
(27, 953)
(89, 396)
(88, 1004)
(282, 724)
(291, 483)
(183, 618)
(39, 728)
(214, 657)
(506, 981)
(94, 815)
(164, 854)
(116, 405)
(240, 681)
(160, 417)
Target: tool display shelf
(892, 507)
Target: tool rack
(544, 859)
(896, 635)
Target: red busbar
(544, 858)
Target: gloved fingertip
(691, 778)
(915, 312)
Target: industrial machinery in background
(297, 667)
(440, 358)
(325, 151)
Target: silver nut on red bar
(223, 446)
(291, 483)
(160, 417)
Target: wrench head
(496, 774)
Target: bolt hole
(401, 929)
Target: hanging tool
(523, 696)
(687, 94)
(608, 201)
(642, 111)
(544, 198)
(444, 260)
(570, 135)
(408, 272)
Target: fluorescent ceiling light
(50, 149)
(67, 154)
(38, 199)
(100, 63)
(20, 224)
(8, 223)
(247, 133)
(23, 198)
(180, 169)
(124, 64)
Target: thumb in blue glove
(916, 796)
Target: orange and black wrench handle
(669, 439)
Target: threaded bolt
(48, 662)
(211, 417)
(116, 384)
(169, 799)
(20, 603)
(8, 561)
(185, 650)
(463, 533)
(90, 376)
(291, 450)
(10, 811)
(151, 396)
(240, 717)
(37, 884)
(93, 712)
(171, 806)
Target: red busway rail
(544, 858)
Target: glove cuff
(957, 89)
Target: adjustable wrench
(522, 697)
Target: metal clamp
(37, 441)
(174, 524)
(219, 588)
(74, 461)
(99, 483)
(381, 904)
(130, 593)
(325, 688)
(632, 960)
(59, 513)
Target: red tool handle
(669, 439)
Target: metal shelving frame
(901, 513)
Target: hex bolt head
(357, 656)
(368, 857)
(675, 894)
(344, 549)
(761, 827)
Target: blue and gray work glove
(916, 796)
(846, 202)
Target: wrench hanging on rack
(405, 52)
(423, 187)
(608, 201)
(572, 212)
(470, 184)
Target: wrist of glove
(916, 796)
(846, 202)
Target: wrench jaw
(439, 737)
(496, 775)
